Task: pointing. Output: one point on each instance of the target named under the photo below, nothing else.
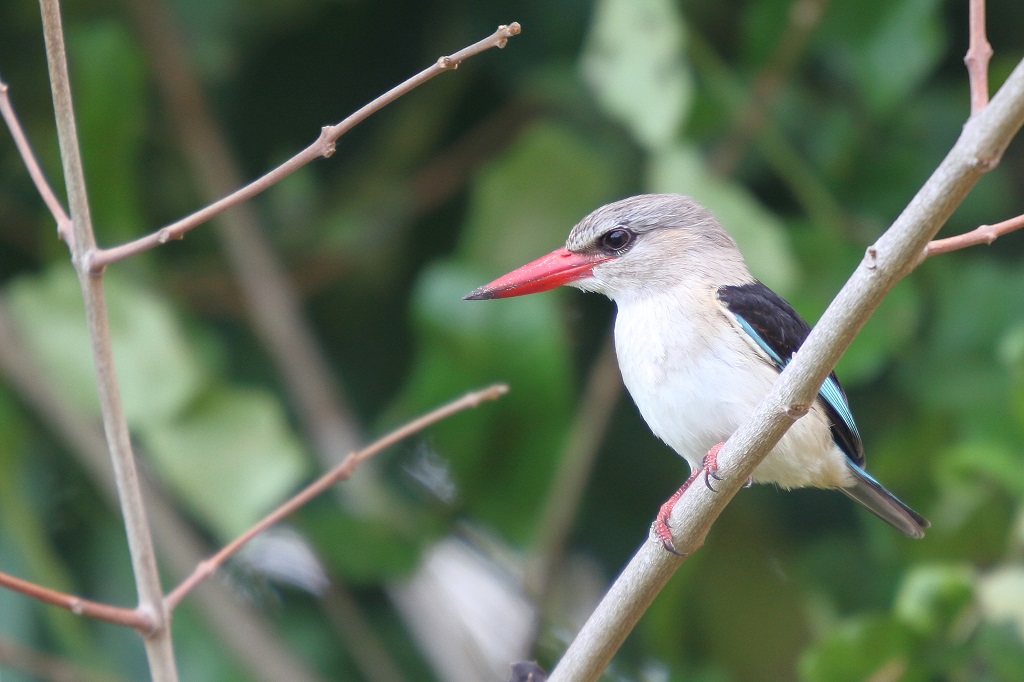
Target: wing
(779, 331)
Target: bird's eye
(617, 239)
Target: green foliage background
(475, 173)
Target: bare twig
(979, 52)
(323, 146)
(979, 149)
(984, 234)
(341, 472)
(132, 618)
(159, 649)
(60, 216)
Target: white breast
(695, 378)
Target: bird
(699, 342)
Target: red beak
(561, 266)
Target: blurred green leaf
(231, 456)
(467, 344)
(862, 649)
(993, 461)
(524, 203)
(998, 652)
(765, 22)
(634, 61)
(157, 370)
(889, 48)
(975, 304)
(758, 232)
(891, 327)
(22, 499)
(108, 73)
(362, 550)
(932, 597)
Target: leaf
(361, 549)
(977, 302)
(512, 445)
(634, 61)
(828, 262)
(757, 231)
(110, 85)
(994, 461)
(932, 597)
(156, 368)
(231, 457)
(890, 328)
(524, 203)
(888, 48)
(861, 649)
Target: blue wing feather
(779, 331)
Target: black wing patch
(779, 331)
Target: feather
(778, 330)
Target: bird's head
(646, 243)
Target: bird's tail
(884, 504)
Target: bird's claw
(663, 534)
(708, 475)
(660, 529)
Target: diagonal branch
(341, 472)
(897, 251)
(323, 146)
(60, 216)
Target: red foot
(711, 466)
(660, 527)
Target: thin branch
(979, 52)
(60, 216)
(981, 145)
(132, 618)
(341, 472)
(159, 649)
(323, 146)
(985, 234)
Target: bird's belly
(696, 404)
